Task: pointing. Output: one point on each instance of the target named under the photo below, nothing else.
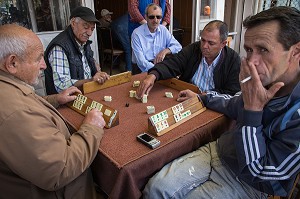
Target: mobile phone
(148, 140)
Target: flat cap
(84, 13)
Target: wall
(118, 7)
(183, 10)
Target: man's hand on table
(185, 95)
(67, 95)
(94, 117)
(146, 86)
(101, 77)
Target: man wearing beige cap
(105, 20)
(69, 56)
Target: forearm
(80, 83)
(167, 14)
(259, 150)
(61, 69)
(53, 157)
(173, 66)
(133, 10)
(52, 100)
(223, 103)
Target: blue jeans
(120, 30)
(199, 174)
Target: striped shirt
(61, 68)
(204, 76)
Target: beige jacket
(39, 158)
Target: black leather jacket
(186, 62)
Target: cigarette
(245, 80)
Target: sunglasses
(153, 16)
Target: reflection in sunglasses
(153, 16)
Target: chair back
(106, 47)
(105, 37)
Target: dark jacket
(263, 148)
(186, 63)
(66, 40)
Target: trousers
(199, 174)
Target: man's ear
(72, 22)
(11, 64)
(224, 43)
(296, 51)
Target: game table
(123, 165)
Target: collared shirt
(204, 76)
(146, 45)
(61, 68)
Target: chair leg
(111, 64)
(101, 60)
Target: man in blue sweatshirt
(261, 155)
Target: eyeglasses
(153, 16)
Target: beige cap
(105, 12)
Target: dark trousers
(135, 69)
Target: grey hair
(152, 5)
(12, 44)
(76, 19)
(221, 26)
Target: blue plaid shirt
(61, 68)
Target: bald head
(21, 53)
(8, 29)
(15, 39)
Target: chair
(107, 49)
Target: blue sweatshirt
(263, 148)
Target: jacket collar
(10, 79)
(72, 36)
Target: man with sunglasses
(208, 63)
(151, 42)
(136, 13)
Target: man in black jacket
(69, 56)
(209, 64)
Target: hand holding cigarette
(245, 80)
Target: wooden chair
(294, 194)
(106, 48)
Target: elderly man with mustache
(69, 56)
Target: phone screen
(146, 137)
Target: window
(38, 15)
(266, 4)
(207, 9)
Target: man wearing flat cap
(105, 19)
(69, 56)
